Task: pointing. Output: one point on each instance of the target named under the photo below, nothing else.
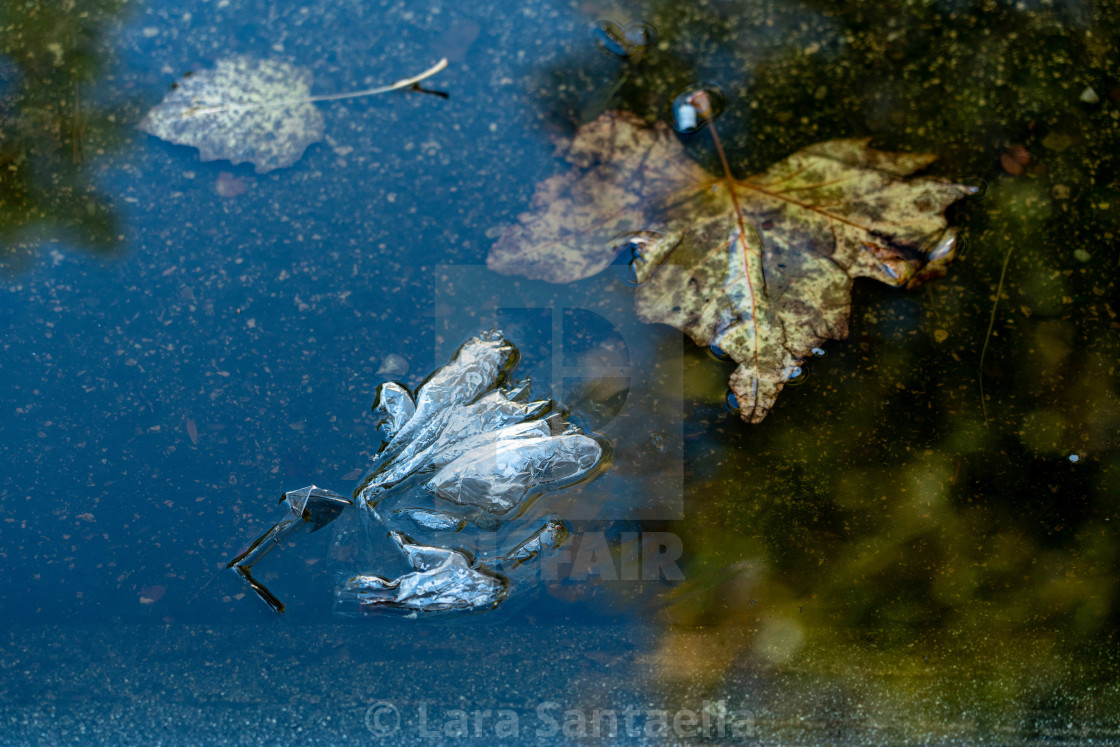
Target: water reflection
(876, 536)
(871, 554)
(51, 54)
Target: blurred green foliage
(875, 528)
(50, 56)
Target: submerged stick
(988, 335)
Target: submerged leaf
(761, 267)
(231, 113)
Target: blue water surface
(220, 342)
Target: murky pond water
(919, 543)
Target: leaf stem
(403, 83)
(703, 105)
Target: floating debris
(488, 450)
(393, 365)
(250, 110)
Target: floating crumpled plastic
(477, 450)
(493, 477)
(443, 580)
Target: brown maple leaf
(760, 267)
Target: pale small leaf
(243, 110)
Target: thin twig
(988, 336)
(76, 126)
(403, 83)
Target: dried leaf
(761, 267)
(220, 112)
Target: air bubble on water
(819, 352)
(796, 375)
(637, 241)
(623, 42)
(639, 35)
(977, 188)
(718, 353)
(639, 245)
(608, 36)
(731, 402)
(684, 117)
(946, 248)
(696, 106)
